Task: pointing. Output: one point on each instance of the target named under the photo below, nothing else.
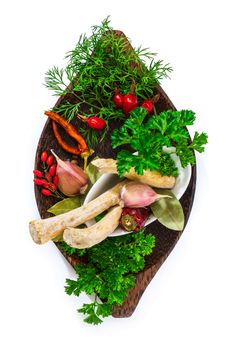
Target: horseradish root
(44, 230)
(87, 237)
(151, 178)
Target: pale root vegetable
(87, 237)
(151, 178)
(44, 230)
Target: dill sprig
(97, 65)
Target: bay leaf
(168, 211)
(59, 238)
(93, 172)
(66, 205)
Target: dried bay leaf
(168, 211)
(66, 205)
(93, 172)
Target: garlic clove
(137, 195)
(68, 184)
(72, 179)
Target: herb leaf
(90, 79)
(93, 172)
(168, 211)
(149, 138)
(109, 272)
(198, 142)
(90, 311)
(70, 250)
(65, 205)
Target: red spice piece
(43, 156)
(37, 173)
(56, 180)
(52, 187)
(46, 192)
(50, 160)
(45, 184)
(38, 182)
(52, 170)
(48, 177)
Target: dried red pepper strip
(62, 143)
(70, 130)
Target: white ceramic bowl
(106, 181)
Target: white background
(187, 305)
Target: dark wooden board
(165, 238)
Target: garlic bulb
(137, 195)
(72, 179)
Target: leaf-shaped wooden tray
(165, 238)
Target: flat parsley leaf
(109, 272)
(90, 311)
(70, 250)
(148, 139)
(198, 142)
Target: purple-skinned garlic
(138, 195)
(72, 179)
